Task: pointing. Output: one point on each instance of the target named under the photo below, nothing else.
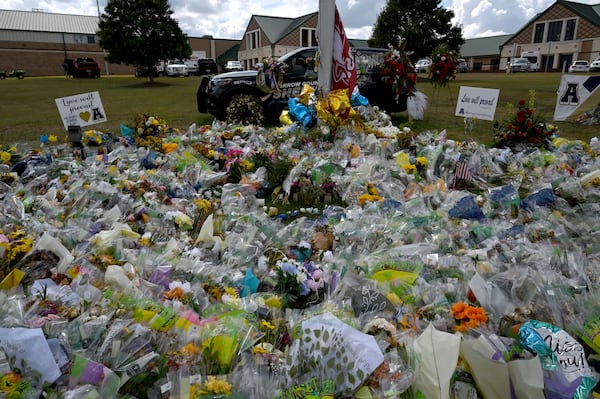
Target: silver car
(519, 65)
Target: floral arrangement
(524, 126)
(468, 316)
(149, 132)
(16, 245)
(372, 195)
(416, 166)
(92, 137)
(443, 65)
(301, 284)
(398, 71)
(13, 385)
(212, 387)
(7, 154)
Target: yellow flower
(409, 168)
(216, 386)
(5, 156)
(231, 292)
(364, 198)
(265, 325)
(13, 149)
(259, 350)
(53, 138)
(246, 164)
(203, 205)
(422, 161)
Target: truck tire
(245, 109)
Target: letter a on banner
(572, 92)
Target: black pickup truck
(217, 92)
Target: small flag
(344, 73)
(462, 171)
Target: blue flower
(289, 269)
(44, 138)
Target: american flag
(462, 171)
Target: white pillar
(325, 31)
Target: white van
(534, 58)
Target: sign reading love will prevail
(81, 109)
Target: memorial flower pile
(207, 277)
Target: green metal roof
(230, 55)
(273, 27)
(295, 23)
(586, 11)
(483, 46)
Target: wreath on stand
(245, 109)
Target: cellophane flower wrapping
(329, 350)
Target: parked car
(176, 68)
(234, 66)
(520, 65)
(462, 65)
(422, 66)
(595, 65)
(580, 66)
(216, 93)
(142, 71)
(85, 67)
(207, 66)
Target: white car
(176, 68)
(234, 66)
(595, 65)
(422, 66)
(579, 66)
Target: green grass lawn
(28, 108)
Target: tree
(141, 32)
(421, 26)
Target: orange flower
(468, 316)
(175, 293)
(169, 147)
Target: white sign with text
(477, 102)
(81, 109)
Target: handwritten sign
(477, 102)
(81, 109)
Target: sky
(227, 19)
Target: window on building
(253, 39)
(91, 39)
(308, 37)
(538, 36)
(554, 30)
(570, 30)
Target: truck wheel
(245, 109)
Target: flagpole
(325, 33)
